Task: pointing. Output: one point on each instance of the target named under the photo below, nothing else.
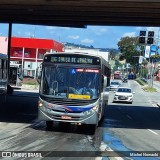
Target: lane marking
(105, 147)
(154, 105)
(152, 131)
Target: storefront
(29, 51)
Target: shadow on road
(129, 116)
(23, 109)
(19, 108)
(63, 128)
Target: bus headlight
(95, 108)
(92, 110)
(40, 104)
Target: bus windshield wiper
(80, 76)
(55, 87)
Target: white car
(123, 94)
(114, 85)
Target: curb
(30, 87)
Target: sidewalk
(30, 87)
(27, 91)
(156, 85)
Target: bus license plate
(66, 117)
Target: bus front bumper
(88, 117)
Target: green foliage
(113, 54)
(140, 82)
(150, 89)
(156, 56)
(29, 81)
(143, 72)
(145, 86)
(130, 47)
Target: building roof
(35, 43)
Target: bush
(142, 83)
(145, 86)
(150, 89)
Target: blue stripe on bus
(80, 109)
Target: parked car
(123, 94)
(114, 85)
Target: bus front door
(13, 76)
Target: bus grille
(67, 102)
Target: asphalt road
(126, 127)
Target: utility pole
(150, 41)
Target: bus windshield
(71, 83)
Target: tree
(129, 47)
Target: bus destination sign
(80, 59)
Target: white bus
(15, 75)
(3, 77)
(72, 88)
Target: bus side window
(105, 82)
(5, 69)
(0, 69)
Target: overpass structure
(80, 13)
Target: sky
(97, 36)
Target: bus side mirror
(38, 74)
(104, 82)
(38, 77)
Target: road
(126, 127)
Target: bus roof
(79, 53)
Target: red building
(32, 49)
(29, 51)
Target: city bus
(3, 77)
(15, 75)
(72, 88)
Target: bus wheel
(9, 89)
(49, 125)
(100, 114)
(64, 124)
(106, 103)
(93, 128)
